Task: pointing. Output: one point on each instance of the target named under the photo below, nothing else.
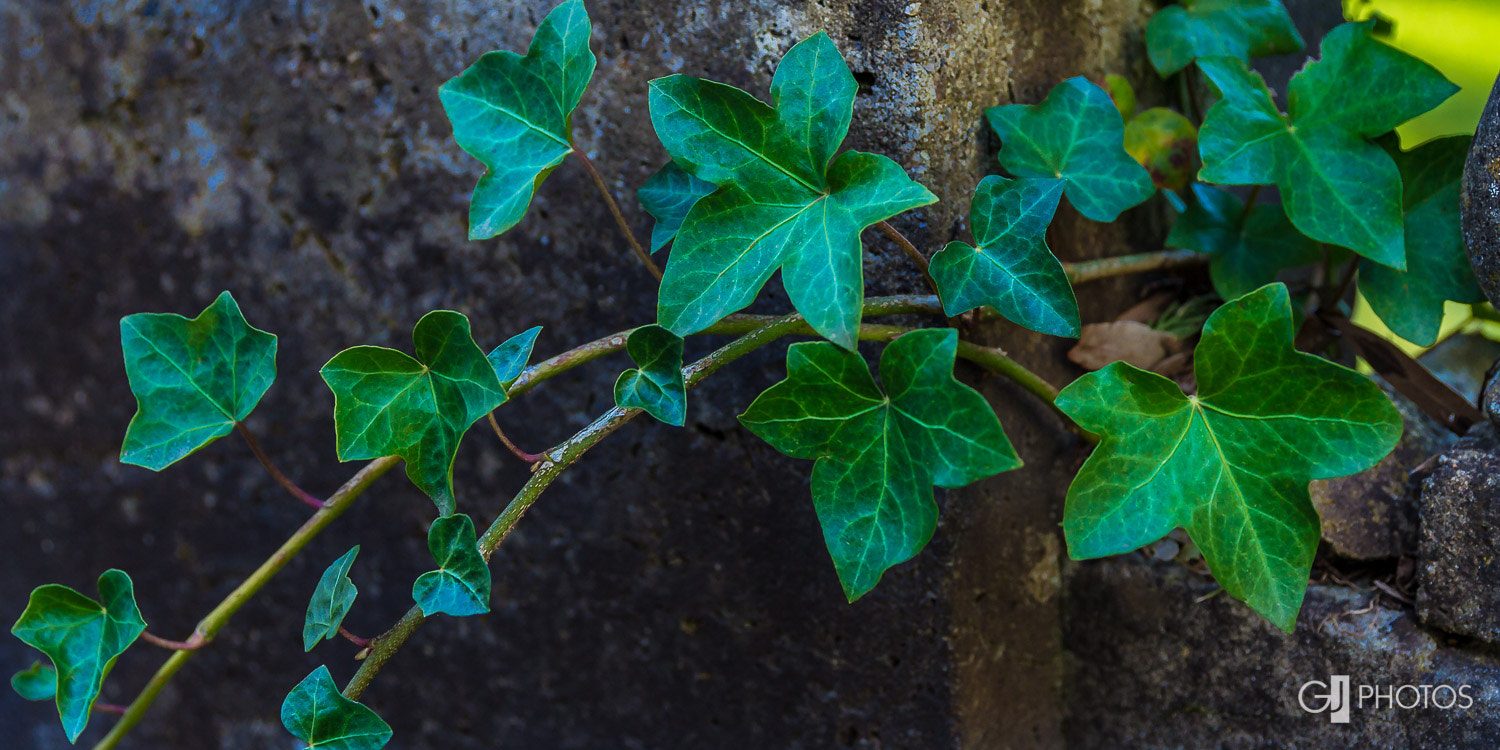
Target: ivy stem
(1161, 260)
(337, 503)
(352, 638)
(281, 479)
(109, 708)
(194, 642)
(916, 256)
(614, 210)
(529, 458)
(1250, 201)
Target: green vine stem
(1161, 260)
(614, 210)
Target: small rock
(1490, 399)
(1481, 199)
(1459, 576)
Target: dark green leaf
(509, 359)
(388, 404)
(316, 713)
(1246, 251)
(1166, 144)
(192, 379)
(82, 637)
(36, 683)
(1180, 34)
(1075, 136)
(512, 113)
(330, 602)
(780, 204)
(461, 584)
(1337, 186)
(656, 384)
(1011, 270)
(1232, 463)
(667, 196)
(879, 454)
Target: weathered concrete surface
(1459, 570)
(1481, 199)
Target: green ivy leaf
(509, 359)
(36, 683)
(513, 114)
(1246, 251)
(386, 403)
(656, 384)
(668, 196)
(82, 637)
(330, 602)
(1180, 34)
(1077, 137)
(1337, 186)
(1166, 144)
(461, 584)
(1232, 463)
(319, 715)
(780, 204)
(1411, 302)
(1120, 92)
(192, 379)
(879, 454)
(1012, 269)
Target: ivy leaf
(656, 384)
(509, 359)
(1180, 34)
(386, 403)
(36, 683)
(82, 637)
(319, 715)
(1337, 186)
(1077, 137)
(880, 454)
(330, 602)
(1411, 302)
(668, 196)
(1012, 269)
(780, 203)
(1230, 464)
(1246, 251)
(1166, 144)
(461, 584)
(192, 379)
(513, 114)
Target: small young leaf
(82, 637)
(319, 715)
(1180, 34)
(879, 454)
(1337, 186)
(1232, 463)
(510, 358)
(192, 379)
(386, 403)
(36, 683)
(1011, 270)
(1166, 144)
(461, 584)
(330, 602)
(1121, 93)
(1246, 251)
(1437, 268)
(1075, 136)
(780, 204)
(512, 113)
(668, 196)
(656, 385)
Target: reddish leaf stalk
(303, 495)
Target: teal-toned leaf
(1011, 270)
(192, 379)
(319, 715)
(880, 454)
(1075, 136)
(780, 204)
(1166, 144)
(1180, 34)
(668, 196)
(461, 584)
(36, 683)
(655, 384)
(1411, 302)
(1231, 464)
(512, 113)
(386, 403)
(1336, 185)
(330, 602)
(1246, 250)
(510, 358)
(82, 637)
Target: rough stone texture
(1481, 199)
(1491, 394)
(1459, 571)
